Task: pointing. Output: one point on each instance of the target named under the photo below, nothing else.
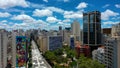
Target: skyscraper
(112, 52)
(75, 27)
(92, 28)
(116, 30)
(3, 48)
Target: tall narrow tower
(75, 27)
(3, 48)
(92, 28)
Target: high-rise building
(75, 27)
(3, 48)
(54, 42)
(92, 28)
(112, 52)
(66, 36)
(21, 52)
(116, 30)
(60, 28)
(14, 34)
(42, 42)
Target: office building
(54, 42)
(112, 52)
(3, 48)
(42, 42)
(60, 28)
(66, 36)
(75, 29)
(106, 31)
(72, 42)
(92, 29)
(116, 30)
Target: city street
(37, 59)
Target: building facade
(99, 54)
(112, 52)
(3, 48)
(75, 29)
(116, 30)
(92, 28)
(54, 42)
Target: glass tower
(92, 28)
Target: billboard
(21, 53)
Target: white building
(75, 27)
(99, 54)
(112, 52)
(3, 49)
(115, 30)
(14, 34)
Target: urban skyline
(50, 14)
(59, 34)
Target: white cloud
(82, 5)
(12, 3)
(107, 14)
(71, 14)
(45, 1)
(54, 9)
(4, 14)
(34, 5)
(106, 5)
(52, 19)
(66, 20)
(3, 21)
(42, 13)
(23, 17)
(110, 22)
(60, 23)
(117, 5)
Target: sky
(50, 14)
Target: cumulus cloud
(3, 21)
(12, 3)
(23, 17)
(60, 23)
(110, 22)
(107, 14)
(66, 20)
(54, 9)
(82, 5)
(4, 14)
(42, 13)
(117, 5)
(71, 14)
(45, 1)
(52, 19)
(34, 5)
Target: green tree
(50, 55)
(84, 62)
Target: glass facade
(55, 42)
(72, 42)
(92, 28)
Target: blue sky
(50, 14)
